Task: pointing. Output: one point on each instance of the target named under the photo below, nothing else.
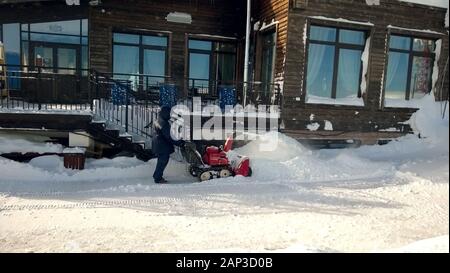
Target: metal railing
(130, 101)
(258, 93)
(45, 88)
(117, 102)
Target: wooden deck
(50, 121)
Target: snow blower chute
(214, 163)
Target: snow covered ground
(392, 198)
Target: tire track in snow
(214, 198)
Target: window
(409, 69)
(268, 51)
(334, 62)
(11, 43)
(211, 63)
(11, 35)
(141, 59)
(61, 46)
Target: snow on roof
(427, 31)
(342, 20)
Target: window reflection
(55, 38)
(410, 68)
(67, 59)
(322, 34)
(423, 45)
(320, 70)
(126, 59)
(421, 77)
(11, 35)
(211, 63)
(58, 27)
(268, 59)
(400, 42)
(334, 62)
(84, 27)
(351, 37)
(201, 45)
(154, 65)
(43, 58)
(154, 40)
(349, 71)
(141, 59)
(126, 38)
(199, 67)
(397, 75)
(67, 39)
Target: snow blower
(214, 163)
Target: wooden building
(347, 69)
(321, 36)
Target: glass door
(44, 57)
(268, 60)
(61, 65)
(66, 61)
(55, 58)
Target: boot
(162, 181)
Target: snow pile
(51, 168)
(434, 245)
(292, 162)
(50, 163)
(11, 144)
(429, 122)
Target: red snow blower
(214, 163)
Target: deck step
(100, 121)
(126, 136)
(112, 133)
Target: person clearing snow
(163, 144)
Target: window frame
(142, 47)
(78, 46)
(213, 82)
(338, 46)
(411, 54)
(261, 48)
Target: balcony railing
(258, 93)
(132, 104)
(36, 88)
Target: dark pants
(163, 160)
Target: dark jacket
(162, 142)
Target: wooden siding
(220, 17)
(41, 12)
(265, 12)
(372, 117)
